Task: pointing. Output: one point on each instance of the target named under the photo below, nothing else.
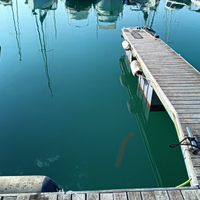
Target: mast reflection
(15, 18)
(43, 7)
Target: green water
(66, 95)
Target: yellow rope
(185, 183)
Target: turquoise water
(64, 107)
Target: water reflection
(78, 10)
(195, 5)
(42, 5)
(108, 12)
(156, 147)
(5, 2)
(176, 5)
(148, 8)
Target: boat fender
(126, 45)
(27, 184)
(135, 68)
(49, 185)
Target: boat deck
(132, 194)
(176, 83)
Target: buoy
(27, 184)
(135, 68)
(126, 45)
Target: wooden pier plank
(188, 111)
(78, 196)
(106, 196)
(23, 197)
(161, 195)
(148, 195)
(120, 196)
(189, 195)
(10, 198)
(93, 196)
(134, 196)
(175, 195)
(64, 196)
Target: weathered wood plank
(93, 196)
(181, 106)
(193, 121)
(197, 170)
(194, 88)
(148, 195)
(120, 196)
(64, 196)
(161, 195)
(196, 162)
(183, 85)
(197, 103)
(188, 110)
(171, 72)
(134, 196)
(191, 125)
(184, 98)
(176, 80)
(197, 193)
(189, 116)
(175, 195)
(10, 198)
(78, 196)
(50, 196)
(189, 194)
(152, 61)
(23, 197)
(106, 196)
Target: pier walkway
(176, 83)
(132, 194)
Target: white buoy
(135, 68)
(126, 45)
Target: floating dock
(176, 83)
(136, 194)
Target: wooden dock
(131, 194)
(176, 83)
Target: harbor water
(69, 107)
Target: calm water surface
(67, 97)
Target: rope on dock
(185, 183)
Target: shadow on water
(168, 165)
